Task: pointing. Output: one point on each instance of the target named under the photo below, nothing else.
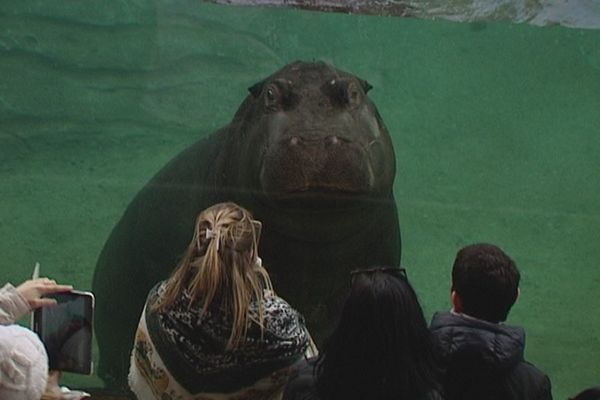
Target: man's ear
(518, 294)
(456, 302)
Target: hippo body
(308, 154)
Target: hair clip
(210, 233)
(213, 234)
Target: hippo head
(318, 136)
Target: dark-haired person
(380, 349)
(592, 393)
(482, 356)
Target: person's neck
(462, 314)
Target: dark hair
(381, 347)
(487, 281)
(592, 393)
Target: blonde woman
(215, 329)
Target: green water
(496, 128)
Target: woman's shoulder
(156, 292)
(281, 334)
(280, 318)
(272, 300)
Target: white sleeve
(12, 305)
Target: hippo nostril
(294, 141)
(333, 140)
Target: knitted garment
(23, 364)
(12, 305)
(182, 352)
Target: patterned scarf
(191, 346)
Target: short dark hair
(487, 281)
(381, 347)
(592, 393)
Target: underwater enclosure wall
(495, 127)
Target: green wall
(496, 128)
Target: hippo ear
(366, 86)
(256, 88)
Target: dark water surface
(572, 13)
(496, 128)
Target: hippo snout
(332, 140)
(316, 163)
(321, 134)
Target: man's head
(485, 282)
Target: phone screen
(66, 331)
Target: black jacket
(484, 361)
(302, 384)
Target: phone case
(66, 330)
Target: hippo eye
(344, 92)
(273, 96)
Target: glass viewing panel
(494, 126)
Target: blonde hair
(221, 263)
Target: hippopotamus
(309, 155)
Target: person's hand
(56, 392)
(32, 291)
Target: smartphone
(66, 331)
